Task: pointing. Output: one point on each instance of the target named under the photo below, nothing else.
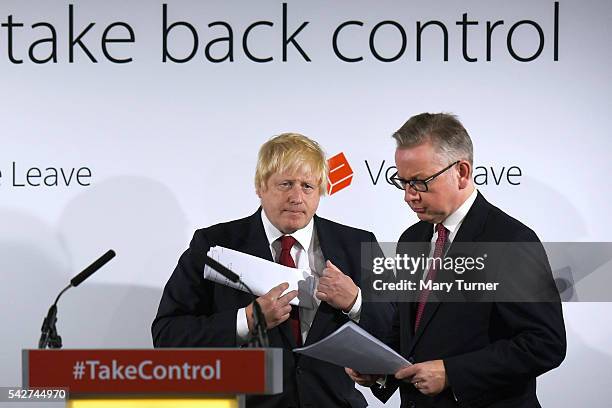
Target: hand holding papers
(261, 275)
(351, 346)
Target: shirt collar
(303, 236)
(453, 221)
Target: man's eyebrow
(416, 176)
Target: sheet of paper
(261, 275)
(353, 347)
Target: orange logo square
(340, 173)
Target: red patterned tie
(431, 276)
(287, 243)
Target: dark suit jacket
(194, 312)
(492, 351)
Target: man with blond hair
(290, 179)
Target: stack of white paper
(261, 275)
(353, 347)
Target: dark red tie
(431, 275)
(285, 258)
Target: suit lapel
(407, 308)
(326, 315)
(253, 243)
(256, 242)
(414, 247)
(473, 223)
(431, 307)
(470, 229)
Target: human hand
(428, 377)
(336, 288)
(365, 380)
(275, 308)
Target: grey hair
(443, 130)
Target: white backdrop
(172, 146)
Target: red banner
(160, 371)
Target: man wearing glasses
(476, 354)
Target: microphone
(259, 320)
(91, 269)
(49, 337)
(223, 270)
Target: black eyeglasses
(417, 185)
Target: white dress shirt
(454, 221)
(307, 255)
(452, 224)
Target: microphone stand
(260, 337)
(49, 337)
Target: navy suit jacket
(194, 312)
(492, 351)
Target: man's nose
(296, 195)
(411, 194)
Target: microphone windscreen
(223, 270)
(97, 264)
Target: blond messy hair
(289, 152)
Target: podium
(155, 378)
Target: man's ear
(261, 189)
(465, 172)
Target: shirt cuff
(355, 313)
(242, 327)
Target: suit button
(411, 359)
(298, 371)
(411, 404)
